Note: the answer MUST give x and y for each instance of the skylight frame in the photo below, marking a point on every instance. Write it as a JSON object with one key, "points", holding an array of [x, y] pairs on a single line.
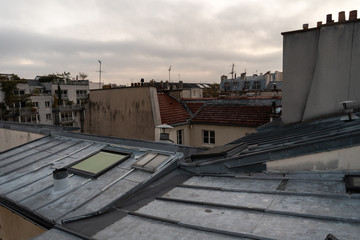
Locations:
{"points": [[84, 173], [145, 166]]}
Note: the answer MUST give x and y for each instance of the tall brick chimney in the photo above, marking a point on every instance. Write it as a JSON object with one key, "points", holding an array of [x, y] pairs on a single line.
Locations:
{"points": [[342, 16], [353, 15]]}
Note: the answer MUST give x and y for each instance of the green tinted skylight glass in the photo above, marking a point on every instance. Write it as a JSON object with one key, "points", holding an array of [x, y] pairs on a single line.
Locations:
{"points": [[98, 163]]}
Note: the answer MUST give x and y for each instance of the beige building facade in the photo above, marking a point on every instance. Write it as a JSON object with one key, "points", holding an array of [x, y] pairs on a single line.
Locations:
{"points": [[123, 112]]}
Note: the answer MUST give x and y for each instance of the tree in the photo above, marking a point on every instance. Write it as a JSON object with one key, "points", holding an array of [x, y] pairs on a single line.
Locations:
{"points": [[83, 76], [213, 91]]}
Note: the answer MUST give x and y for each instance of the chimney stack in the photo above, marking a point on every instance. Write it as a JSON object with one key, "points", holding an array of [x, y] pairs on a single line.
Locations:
{"points": [[342, 16], [329, 19], [305, 26], [319, 24], [353, 15]]}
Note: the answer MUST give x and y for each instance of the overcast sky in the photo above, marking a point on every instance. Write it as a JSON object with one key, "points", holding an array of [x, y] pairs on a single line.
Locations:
{"points": [[137, 39]]}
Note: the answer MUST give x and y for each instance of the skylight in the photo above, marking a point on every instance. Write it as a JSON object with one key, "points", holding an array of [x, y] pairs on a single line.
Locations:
{"points": [[151, 161], [99, 163]]}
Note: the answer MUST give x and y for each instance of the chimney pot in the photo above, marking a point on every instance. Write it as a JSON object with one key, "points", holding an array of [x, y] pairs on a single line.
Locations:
{"points": [[329, 19], [319, 24], [353, 15], [305, 26], [342, 16]]}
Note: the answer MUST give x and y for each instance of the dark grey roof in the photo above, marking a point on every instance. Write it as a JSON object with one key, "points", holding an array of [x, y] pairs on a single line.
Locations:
{"points": [[279, 85], [34, 82], [26, 177], [281, 142], [243, 206]]}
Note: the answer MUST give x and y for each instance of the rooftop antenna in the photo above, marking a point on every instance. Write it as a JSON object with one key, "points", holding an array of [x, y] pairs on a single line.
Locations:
{"points": [[169, 72], [99, 75], [232, 71]]}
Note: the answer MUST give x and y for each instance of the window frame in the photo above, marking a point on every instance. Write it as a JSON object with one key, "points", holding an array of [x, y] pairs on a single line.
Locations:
{"points": [[208, 136], [180, 136], [104, 170], [143, 167]]}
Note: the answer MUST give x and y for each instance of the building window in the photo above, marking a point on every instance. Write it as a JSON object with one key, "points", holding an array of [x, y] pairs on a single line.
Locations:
{"points": [[47, 103], [98, 163], [256, 85], [48, 116], [36, 104], [180, 136], [246, 85], [209, 137]]}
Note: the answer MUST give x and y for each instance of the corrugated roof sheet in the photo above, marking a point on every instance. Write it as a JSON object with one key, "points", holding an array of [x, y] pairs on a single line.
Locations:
{"points": [[234, 114], [171, 111]]}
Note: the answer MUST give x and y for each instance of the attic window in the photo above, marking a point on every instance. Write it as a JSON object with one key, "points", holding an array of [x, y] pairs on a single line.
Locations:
{"points": [[352, 183], [98, 163], [151, 161]]}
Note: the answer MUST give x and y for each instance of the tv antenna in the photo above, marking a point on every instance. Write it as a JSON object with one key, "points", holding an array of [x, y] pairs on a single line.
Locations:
{"points": [[169, 72], [100, 75], [232, 71]]}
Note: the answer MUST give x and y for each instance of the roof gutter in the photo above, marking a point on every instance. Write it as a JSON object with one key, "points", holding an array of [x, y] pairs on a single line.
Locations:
{"points": [[29, 215]]}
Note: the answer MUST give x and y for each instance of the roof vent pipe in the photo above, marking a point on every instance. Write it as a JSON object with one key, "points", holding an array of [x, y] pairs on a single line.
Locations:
{"points": [[61, 180], [348, 110]]}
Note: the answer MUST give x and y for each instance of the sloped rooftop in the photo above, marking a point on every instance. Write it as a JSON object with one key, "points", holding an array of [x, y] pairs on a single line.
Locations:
{"points": [[246, 206], [251, 152], [171, 111], [194, 106], [251, 116], [26, 180]]}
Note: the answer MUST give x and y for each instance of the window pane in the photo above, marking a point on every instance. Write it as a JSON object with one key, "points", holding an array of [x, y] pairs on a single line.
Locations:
{"points": [[156, 162], [98, 162], [145, 159]]}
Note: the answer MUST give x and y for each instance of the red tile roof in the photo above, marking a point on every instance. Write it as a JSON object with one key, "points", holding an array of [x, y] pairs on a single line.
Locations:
{"points": [[194, 106], [171, 111], [234, 115]]}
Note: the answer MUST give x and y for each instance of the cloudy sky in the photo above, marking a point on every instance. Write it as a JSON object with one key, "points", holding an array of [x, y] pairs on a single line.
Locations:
{"points": [[137, 39]]}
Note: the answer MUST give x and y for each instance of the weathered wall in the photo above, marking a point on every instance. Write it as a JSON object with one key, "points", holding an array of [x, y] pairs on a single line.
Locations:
{"points": [[320, 71], [13, 226], [124, 112], [299, 57], [346, 159], [12, 138], [223, 134]]}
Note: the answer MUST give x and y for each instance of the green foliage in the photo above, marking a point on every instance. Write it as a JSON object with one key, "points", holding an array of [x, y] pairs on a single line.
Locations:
{"points": [[213, 91], [8, 87], [55, 77], [48, 78], [83, 76]]}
